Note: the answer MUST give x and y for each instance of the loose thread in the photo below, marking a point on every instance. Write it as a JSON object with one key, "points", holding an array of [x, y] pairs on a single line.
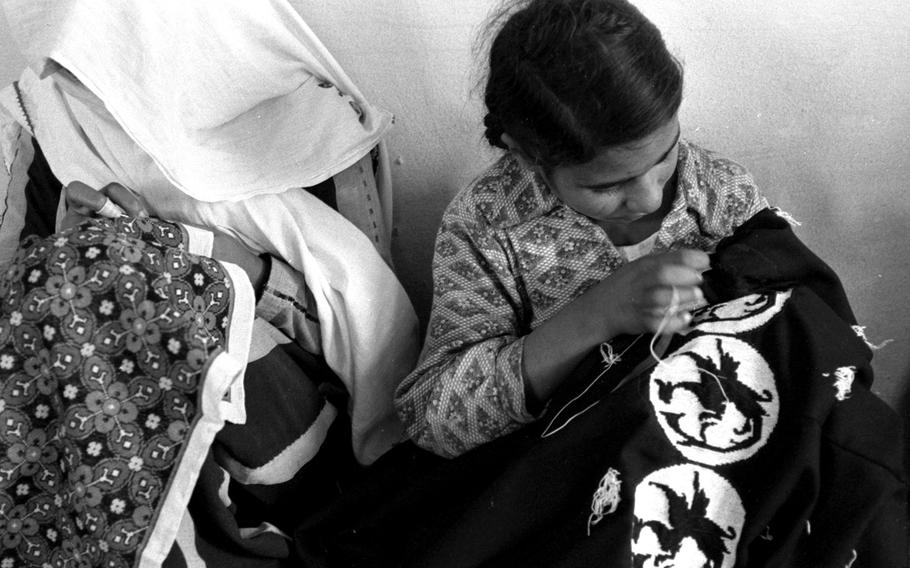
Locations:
{"points": [[843, 382], [671, 311], [786, 217], [606, 498], [860, 330], [664, 321], [610, 359]]}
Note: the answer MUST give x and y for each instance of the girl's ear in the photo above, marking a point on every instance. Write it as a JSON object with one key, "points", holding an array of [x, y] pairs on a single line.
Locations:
{"points": [[525, 161]]}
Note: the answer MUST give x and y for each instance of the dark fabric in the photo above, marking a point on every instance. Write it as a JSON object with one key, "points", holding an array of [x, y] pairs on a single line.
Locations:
{"points": [[764, 255], [285, 391], [747, 442], [325, 191], [42, 195]]}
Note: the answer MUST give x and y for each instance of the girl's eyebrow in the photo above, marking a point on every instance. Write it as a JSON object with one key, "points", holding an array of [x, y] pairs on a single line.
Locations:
{"points": [[659, 160]]}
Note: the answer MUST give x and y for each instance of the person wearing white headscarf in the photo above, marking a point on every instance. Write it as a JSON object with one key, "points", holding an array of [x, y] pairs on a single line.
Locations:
{"points": [[216, 114]]}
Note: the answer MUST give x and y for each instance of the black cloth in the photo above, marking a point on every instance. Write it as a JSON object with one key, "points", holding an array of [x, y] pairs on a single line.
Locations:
{"points": [[42, 194], [756, 442]]}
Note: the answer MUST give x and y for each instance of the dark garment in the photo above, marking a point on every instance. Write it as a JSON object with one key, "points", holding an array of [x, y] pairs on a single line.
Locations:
{"points": [[285, 391], [42, 193], [755, 442]]}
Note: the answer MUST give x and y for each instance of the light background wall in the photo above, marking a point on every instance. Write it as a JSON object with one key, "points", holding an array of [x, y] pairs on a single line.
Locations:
{"points": [[813, 97]]}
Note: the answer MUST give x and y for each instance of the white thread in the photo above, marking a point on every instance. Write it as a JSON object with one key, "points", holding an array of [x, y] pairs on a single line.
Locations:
{"points": [[843, 382], [852, 560], [717, 379], [605, 496], [860, 330], [610, 359], [111, 210], [547, 433], [786, 216], [808, 527], [672, 310], [674, 306]]}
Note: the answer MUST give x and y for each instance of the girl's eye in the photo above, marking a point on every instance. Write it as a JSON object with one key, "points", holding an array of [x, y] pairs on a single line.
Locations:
{"points": [[606, 189]]}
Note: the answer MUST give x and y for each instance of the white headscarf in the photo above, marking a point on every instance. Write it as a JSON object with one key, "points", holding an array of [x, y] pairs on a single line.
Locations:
{"points": [[230, 98], [224, 97]]}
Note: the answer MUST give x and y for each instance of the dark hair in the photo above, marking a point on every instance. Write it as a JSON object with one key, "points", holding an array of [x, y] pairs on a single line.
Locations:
{"points": [[570, 77]]}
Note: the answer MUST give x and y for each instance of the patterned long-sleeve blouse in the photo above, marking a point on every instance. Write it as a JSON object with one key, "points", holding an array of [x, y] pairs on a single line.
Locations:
{"points": [[509, 255]]}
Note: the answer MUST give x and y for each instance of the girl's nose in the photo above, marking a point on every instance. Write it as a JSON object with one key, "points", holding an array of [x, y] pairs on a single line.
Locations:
{"points": [[645, 194]]}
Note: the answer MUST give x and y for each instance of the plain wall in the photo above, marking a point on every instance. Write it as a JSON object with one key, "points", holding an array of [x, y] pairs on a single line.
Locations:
{"points": [[813, 97]]}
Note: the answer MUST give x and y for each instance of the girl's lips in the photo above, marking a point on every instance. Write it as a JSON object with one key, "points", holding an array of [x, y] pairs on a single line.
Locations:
{"points": [[623, 219]]}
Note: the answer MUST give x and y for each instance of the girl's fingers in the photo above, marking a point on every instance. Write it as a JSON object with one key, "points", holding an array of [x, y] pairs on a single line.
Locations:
{"points": [[662, 298], [670, 310], [695, 259], [668, 323], [682, 297], [675, 275], [678, 268]]}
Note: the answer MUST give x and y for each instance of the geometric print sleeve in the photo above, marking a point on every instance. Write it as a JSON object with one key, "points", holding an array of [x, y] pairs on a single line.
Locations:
{"points": [[727, 192], [467, 388], [718, 195], [740, 198]]}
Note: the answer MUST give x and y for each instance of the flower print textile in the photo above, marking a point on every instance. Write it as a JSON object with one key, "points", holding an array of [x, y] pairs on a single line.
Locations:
{"points": [[105, 332]]}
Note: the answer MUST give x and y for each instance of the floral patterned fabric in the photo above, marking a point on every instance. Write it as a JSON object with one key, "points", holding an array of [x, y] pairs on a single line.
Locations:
{"points": [[115, 362]]}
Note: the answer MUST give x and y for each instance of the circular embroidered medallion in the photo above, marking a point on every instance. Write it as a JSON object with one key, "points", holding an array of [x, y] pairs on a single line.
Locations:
{"points": [[686, 515], [739, 315], [715, 399]]}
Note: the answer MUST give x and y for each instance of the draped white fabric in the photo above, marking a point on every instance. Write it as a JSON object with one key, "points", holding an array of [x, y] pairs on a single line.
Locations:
{"points": [[230, 98]]}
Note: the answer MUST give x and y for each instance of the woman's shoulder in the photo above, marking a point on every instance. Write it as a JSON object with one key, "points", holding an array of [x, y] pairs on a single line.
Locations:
{"points": [[505, 195]]}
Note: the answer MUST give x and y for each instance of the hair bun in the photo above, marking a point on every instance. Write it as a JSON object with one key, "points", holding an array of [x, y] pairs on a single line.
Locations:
{"points": [[494, 130]]}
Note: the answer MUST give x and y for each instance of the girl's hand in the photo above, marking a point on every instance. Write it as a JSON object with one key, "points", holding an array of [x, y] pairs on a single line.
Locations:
{"points": [[634, 299], [651, 291], [111, 200]]}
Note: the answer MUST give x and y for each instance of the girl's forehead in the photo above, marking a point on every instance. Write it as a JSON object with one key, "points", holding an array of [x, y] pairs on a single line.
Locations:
{"points": [[614, 164]]}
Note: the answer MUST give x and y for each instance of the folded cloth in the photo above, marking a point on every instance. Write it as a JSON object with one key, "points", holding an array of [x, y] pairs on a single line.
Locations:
{"points": [[231, 99]]}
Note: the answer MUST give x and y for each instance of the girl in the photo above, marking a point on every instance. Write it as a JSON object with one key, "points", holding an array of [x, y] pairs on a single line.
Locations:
{"points": [[594, 223]]}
